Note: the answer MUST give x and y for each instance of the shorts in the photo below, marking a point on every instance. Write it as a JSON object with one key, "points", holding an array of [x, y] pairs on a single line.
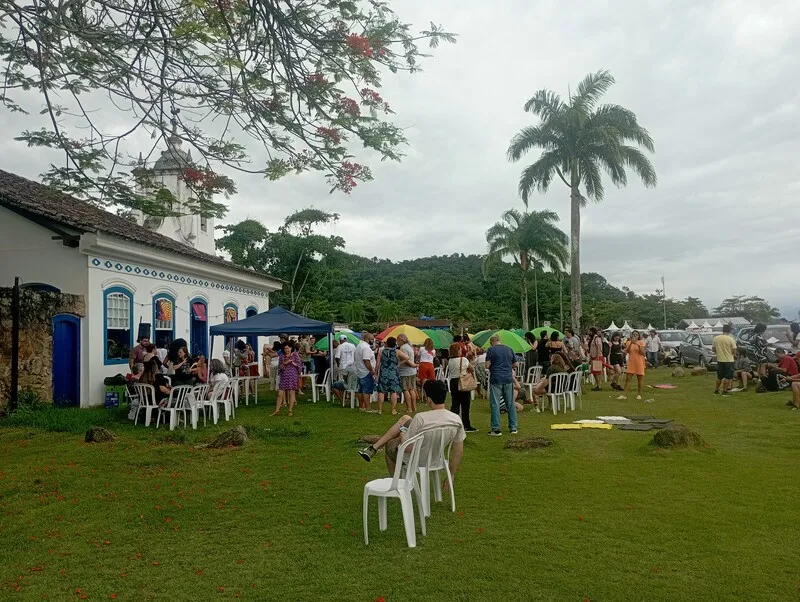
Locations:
{"points": [[338, 384], [408, 383], [426, 371], [391, 447], [366, 385], [725, 370]]}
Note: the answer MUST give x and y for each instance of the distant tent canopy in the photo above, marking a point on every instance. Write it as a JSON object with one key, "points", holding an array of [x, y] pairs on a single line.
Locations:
{"points": [[613, 326], [274, 322]]}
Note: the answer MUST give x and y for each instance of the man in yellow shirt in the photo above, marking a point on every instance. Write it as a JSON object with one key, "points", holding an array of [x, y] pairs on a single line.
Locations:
{"points": [[724, 346]]}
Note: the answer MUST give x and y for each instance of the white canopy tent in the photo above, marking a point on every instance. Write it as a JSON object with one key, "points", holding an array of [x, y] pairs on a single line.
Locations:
{"points": [[693, 326], [649, 327], [706, 326], [612, 326], [719, 324], [627, 327]]}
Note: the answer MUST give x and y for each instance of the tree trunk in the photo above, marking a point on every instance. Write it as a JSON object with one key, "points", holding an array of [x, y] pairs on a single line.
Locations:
{"points": [[525, 323], [536, 295], [575, 257]]}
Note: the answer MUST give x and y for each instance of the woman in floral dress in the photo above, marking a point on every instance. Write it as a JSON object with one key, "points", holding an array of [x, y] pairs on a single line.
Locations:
{"points": [[289, 367], [388, 375]]}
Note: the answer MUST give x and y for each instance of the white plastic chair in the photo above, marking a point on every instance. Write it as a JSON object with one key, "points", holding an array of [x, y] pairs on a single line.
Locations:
{"points": [[401, 488], [519, 370], [532, 379], [558, 388], [325, 386], [221, 396], [177, 402], [196, 401], [147, 402], [575, 388], [438, 442], [236, 383]]}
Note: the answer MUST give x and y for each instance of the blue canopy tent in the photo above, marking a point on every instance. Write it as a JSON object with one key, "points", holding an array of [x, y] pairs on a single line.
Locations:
{"points": [[274, 322]]}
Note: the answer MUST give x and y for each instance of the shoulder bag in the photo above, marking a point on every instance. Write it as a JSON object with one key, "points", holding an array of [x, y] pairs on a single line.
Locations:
{"points": [[467, 382]]}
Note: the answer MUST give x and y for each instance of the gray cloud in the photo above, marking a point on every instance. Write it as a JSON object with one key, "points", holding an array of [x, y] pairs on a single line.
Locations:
{"points": [[715, 83]]}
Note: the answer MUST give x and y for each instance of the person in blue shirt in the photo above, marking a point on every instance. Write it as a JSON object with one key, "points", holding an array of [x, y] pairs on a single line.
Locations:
{"points": [[500, 362]]}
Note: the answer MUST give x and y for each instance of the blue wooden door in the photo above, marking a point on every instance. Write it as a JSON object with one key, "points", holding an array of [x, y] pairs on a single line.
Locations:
{"points": [[199, 333], [253, 341], [66, 360]]}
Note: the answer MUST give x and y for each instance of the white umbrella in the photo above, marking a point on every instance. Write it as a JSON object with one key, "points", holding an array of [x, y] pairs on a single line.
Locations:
{"points": [[613, 326]]}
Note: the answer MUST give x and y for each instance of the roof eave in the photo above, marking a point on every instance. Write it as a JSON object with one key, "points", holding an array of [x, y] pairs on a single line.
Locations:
{"points": [[120, 248]]}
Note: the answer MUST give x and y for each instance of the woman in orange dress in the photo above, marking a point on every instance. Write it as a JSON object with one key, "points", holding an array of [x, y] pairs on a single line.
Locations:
{"points": [[636, 364]]}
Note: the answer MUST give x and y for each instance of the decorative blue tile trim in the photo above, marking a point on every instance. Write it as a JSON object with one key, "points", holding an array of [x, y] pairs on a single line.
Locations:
{"points": [[104, 264]]}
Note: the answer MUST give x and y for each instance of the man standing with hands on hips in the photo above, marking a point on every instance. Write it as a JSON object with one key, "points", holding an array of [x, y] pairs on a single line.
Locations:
{"points": [[500, 361]]}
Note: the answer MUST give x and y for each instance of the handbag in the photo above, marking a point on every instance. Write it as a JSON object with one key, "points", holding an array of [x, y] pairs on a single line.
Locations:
{"points": [[467, 382]]}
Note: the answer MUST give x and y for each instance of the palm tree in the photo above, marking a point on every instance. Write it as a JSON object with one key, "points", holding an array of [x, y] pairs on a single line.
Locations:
{"points": [[530, 239], [387, 311], [578, 139], [353, 312]]}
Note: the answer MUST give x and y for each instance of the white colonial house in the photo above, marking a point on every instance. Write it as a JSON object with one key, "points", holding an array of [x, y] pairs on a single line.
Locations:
{"points": [[158, 272]]}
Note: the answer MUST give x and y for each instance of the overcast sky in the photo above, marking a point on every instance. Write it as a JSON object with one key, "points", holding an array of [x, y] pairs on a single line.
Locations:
{"points": [[715, 82]]}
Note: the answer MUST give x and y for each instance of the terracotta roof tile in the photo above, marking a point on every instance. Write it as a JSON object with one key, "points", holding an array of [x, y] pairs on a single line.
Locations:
{"points": [[33, 198]]}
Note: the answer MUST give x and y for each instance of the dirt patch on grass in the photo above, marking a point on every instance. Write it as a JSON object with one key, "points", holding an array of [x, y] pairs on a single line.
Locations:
{"points": [[522, 443]]}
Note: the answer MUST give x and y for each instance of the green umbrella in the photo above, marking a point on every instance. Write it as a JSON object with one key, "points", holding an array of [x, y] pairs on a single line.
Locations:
{"points": [[483, 336], [322, 344], [537, 332], [440, 339], [520, 332], [510, 339]]}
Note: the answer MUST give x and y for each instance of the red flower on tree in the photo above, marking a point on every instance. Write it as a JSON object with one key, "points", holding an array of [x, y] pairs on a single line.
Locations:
{"points": [[359, 45], [331, 134], [350, 107]]}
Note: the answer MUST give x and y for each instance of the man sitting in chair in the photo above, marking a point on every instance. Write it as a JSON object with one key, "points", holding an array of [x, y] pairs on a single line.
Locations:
{"points": [[435, 392]]}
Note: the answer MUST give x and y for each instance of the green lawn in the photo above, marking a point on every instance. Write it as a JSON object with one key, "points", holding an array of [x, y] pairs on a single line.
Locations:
{"points": [[601, 515]]}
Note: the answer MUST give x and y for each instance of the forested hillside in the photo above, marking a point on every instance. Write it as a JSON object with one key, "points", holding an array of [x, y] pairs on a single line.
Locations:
{"points": [[325, 282]]}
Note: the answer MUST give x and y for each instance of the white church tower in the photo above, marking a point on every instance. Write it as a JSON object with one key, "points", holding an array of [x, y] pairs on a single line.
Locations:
{"points": [[189, 228]]}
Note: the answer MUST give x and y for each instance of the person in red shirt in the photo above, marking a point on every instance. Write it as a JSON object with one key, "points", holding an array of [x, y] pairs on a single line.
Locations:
{"points": [[785, 366]]}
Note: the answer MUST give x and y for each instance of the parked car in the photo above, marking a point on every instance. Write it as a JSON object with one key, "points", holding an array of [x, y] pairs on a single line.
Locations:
{"points": [[776, 333], [670, 341], [695, 350]]}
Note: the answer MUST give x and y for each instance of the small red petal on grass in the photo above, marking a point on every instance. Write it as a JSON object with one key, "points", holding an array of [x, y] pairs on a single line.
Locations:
{"points": [[327, 526], [353, 533], [586, 599], [155, 563], [220, 589], [36, 569], [200, 572], [123, 574], [480, 530], [139, 555], [499, 497], [240, 561], [107, 542], [169, 520], [33, 538], [113, 596], [78, 590], [460, 514], [84, 597], [253, 585], [580, 518], [379, 599], [62, 572]]}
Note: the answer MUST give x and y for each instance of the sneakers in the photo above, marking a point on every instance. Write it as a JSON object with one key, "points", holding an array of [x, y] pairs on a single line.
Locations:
{"points": [[471, 429], [597, 389], [367, 453], [639, 397], [495, 433], [716, 392], [622, 397], [514, 432], [726, 394]]}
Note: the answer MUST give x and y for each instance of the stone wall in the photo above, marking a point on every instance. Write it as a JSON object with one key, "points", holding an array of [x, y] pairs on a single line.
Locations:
{"points": [[35, 338]]}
